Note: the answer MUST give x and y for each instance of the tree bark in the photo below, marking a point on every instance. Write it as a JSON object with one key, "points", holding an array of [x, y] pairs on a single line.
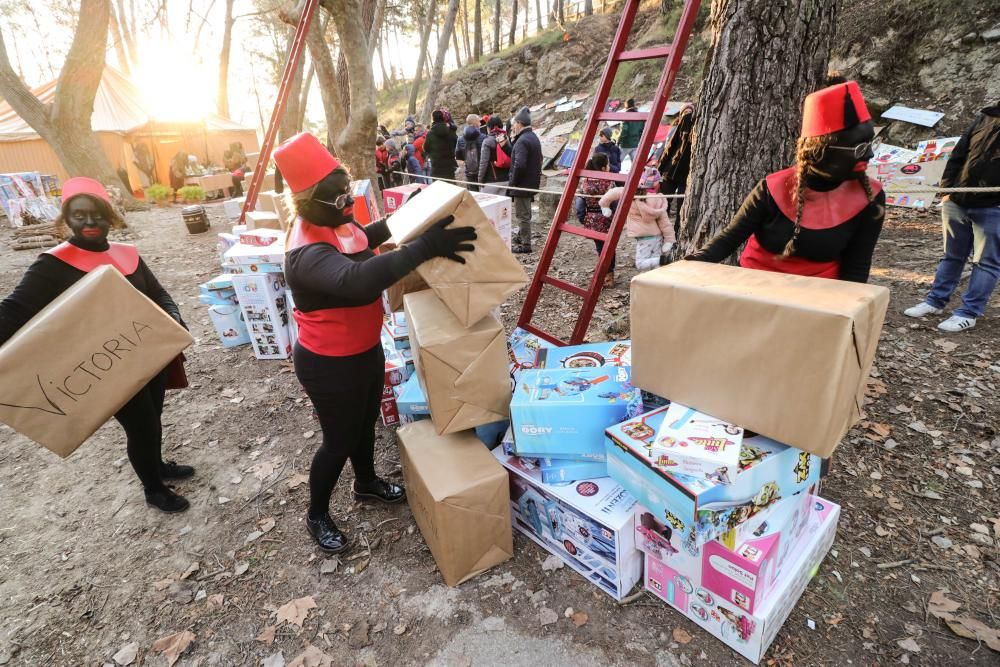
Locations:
{"points": [[434, 85], [787, 45], [387, 79], [665, 6], [290, 119], [588, 7], [425, 38], [326, 72], [538, 15], [513, 25], [477, 39], [116, 37], [458, 50], [562, 11], [497, 9], [222, 91], [128, 31], [376, 22], [304, 94], [465, 31], [65, 124]]}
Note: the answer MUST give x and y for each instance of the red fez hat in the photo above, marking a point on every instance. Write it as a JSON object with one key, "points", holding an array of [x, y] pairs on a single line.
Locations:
{"points": [[304, 161], [81, 185], [833, 109]]}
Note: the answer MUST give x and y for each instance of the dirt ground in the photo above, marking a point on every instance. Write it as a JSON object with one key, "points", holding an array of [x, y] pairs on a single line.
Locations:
{"points": [[88, 571]]}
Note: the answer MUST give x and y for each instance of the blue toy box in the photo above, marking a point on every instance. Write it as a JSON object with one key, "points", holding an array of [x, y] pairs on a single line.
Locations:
{"points": [[563, 413], [699, 509], [588, 355], [411, 399], [523, 347], [557, 471]]}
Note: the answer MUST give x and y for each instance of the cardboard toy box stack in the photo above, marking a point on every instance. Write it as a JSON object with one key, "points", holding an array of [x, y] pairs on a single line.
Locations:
{"points": [[729, 519], [457, 490]]}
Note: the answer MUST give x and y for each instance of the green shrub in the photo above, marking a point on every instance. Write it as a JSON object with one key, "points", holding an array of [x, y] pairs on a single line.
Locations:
{"points": [[192, 193], [158, 192]]}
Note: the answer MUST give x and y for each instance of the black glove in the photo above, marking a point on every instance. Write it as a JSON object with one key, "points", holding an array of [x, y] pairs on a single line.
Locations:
{"points": [[441, 241]]}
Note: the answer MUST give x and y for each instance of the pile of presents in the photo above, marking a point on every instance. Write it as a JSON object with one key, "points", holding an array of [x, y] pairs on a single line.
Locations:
{"points": [[710, 501]]}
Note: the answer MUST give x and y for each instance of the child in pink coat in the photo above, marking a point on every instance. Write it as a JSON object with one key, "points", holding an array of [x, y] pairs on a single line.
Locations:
{"points": [[647, 220]]}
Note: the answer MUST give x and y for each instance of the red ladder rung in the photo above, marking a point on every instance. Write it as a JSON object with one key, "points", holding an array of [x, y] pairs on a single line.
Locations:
{"points": [[565, 286], [645, 54], [583, 231], [622, 115], [541, 333], [604, 175]]}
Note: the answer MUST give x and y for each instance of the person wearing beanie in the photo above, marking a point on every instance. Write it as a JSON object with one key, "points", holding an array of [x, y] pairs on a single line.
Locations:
{"points": [[88, 214], [468, 149], [483, 122], [607, 146], [821, 217], [525, 172], [337, 282], [439, 147], [631, 132], [971, 222], [494, 159], [647, 220]]}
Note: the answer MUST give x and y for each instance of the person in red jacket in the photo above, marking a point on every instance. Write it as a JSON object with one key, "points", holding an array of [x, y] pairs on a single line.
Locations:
{"points": [[337, 282], [89, 215], [821, 217]]}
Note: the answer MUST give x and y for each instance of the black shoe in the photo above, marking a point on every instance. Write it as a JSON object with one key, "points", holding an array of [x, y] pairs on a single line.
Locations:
{"points": [[167, 501], [171, 470], [520, 249], [327, 535], [380, 490]]}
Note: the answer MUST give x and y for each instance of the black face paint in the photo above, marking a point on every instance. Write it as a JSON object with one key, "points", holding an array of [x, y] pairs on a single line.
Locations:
{"points": [[323, 208], [849, 153]]}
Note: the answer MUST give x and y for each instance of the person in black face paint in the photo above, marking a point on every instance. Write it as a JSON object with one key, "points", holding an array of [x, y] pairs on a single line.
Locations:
{"points": [[821, 217], [337, 282]]}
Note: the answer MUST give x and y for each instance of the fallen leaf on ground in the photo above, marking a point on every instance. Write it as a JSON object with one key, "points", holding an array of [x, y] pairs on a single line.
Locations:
{"points": [[681, 636], [172, 646], [241, 567], [266, 635], [266, 525], [162, 584], [297, 480], [580, 619], [276, 660], [253, 536], [192, 568], [972, 628], [552, 563], [836, 619], [262, 470], [126, 654], [329, 566], [295, 611], [215, 601], [311, 657], [946, 345], [308, 434], [547, 617], [909, 644]]}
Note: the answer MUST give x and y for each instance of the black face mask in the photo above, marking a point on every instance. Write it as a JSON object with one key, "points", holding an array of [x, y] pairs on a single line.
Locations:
{"points": [[850, 149]]}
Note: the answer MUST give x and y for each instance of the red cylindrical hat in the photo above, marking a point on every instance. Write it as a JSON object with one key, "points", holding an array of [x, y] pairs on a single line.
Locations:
{"points": [[304, 161], [81, 185], [834, 109]]}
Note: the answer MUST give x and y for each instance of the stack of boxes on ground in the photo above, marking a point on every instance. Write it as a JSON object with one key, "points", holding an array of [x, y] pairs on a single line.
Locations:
{"points": [[498, 208], [31, 192]]}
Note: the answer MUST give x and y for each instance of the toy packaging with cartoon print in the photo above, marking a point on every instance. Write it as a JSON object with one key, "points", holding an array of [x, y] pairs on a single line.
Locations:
{"points": [[703, 587], [704, 509], [698, 444], [562, 413], [588, 524], [265, 311]]}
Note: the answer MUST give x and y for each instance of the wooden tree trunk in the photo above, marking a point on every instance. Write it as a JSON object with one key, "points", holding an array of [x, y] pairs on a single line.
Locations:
{"points": [[765, 57], [425, 38], [326, 73], [665, 6], [116, 37], [222, 90], [458, 50], [465, 31], [497, 9], [387, 79], [434, 85], [538, 15], [304, 95], [477, 39], [290, 120], [588, 7], [513, 25], [562, 9], [128, 31]]}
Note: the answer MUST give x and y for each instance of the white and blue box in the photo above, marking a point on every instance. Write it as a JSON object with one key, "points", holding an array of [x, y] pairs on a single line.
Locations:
{"points": [[563, 413], [229, 324], [588, 355], [558, 471], [701, 509]]}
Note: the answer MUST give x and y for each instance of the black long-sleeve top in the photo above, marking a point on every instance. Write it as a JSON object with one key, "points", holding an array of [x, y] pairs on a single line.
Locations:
{"points": [[852, 242], [322, 277], [48, 277]]}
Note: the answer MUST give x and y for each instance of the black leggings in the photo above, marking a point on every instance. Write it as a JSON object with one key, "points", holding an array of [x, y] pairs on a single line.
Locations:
{"points": [[346, 392], [140, 418], [614, 258]]}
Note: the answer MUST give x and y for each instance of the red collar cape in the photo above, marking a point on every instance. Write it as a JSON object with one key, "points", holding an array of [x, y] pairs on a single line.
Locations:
{"points": [[822, 210], [122, 256], [305, 233]]}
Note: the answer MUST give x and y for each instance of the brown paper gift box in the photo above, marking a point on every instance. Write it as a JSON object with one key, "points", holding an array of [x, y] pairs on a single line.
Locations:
{"points": [[786, 356], [463, 370], [460, 497], [490, 273], [80, 359]]}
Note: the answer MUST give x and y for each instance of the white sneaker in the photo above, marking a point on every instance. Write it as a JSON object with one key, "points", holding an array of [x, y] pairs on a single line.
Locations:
{"points": [[957, 323], [922, 309]]}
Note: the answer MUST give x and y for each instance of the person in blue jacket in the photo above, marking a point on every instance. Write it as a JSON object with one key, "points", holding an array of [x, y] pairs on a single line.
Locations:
{"points": [[607, 146]]}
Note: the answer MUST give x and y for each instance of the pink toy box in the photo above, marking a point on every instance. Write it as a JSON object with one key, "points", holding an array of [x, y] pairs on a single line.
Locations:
{"points": [[393, 198]]}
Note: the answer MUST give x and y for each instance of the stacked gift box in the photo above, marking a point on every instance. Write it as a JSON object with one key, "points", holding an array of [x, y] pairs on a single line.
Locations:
{"points": [[31, 192]]}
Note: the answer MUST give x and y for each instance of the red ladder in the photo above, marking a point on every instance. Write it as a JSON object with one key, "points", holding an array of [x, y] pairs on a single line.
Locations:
{"points": [[298, 44], [673, 53]]}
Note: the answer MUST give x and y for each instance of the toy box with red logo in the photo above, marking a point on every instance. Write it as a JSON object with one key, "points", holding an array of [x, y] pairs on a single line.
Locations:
{"points": [[588, 524], [523, 348], [703, 509], [588, 355], [700, 445], [260, 246], [680, 582], [499, 211], [393, 198], [365, 207], [265, 310]]}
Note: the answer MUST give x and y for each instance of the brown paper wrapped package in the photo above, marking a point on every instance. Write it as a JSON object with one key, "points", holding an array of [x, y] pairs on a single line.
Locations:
{"points": [[783, 355], [79, 360], [490, 273], [460, 498], [464, 370]]}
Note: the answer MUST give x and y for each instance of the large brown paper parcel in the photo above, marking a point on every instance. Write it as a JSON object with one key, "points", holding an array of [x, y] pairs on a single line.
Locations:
{"points": [[460, 498], [80, 359], [464, 370], [490, 273], [786, 356]]}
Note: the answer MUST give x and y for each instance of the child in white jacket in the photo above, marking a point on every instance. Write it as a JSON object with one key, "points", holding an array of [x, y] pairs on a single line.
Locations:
{"points": [[647, 220]]}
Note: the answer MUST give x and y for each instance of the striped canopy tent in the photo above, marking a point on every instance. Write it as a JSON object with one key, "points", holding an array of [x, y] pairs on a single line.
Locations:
{"points": [[122, 123]]}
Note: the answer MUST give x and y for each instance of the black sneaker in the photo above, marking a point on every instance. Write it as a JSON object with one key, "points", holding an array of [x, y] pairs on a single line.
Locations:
{"points": [[329, 538], [167, 501], [380, 490], [171, 470]]}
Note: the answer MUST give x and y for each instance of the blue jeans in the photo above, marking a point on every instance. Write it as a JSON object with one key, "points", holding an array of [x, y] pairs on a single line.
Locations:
{"points": [[968, 231]]}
